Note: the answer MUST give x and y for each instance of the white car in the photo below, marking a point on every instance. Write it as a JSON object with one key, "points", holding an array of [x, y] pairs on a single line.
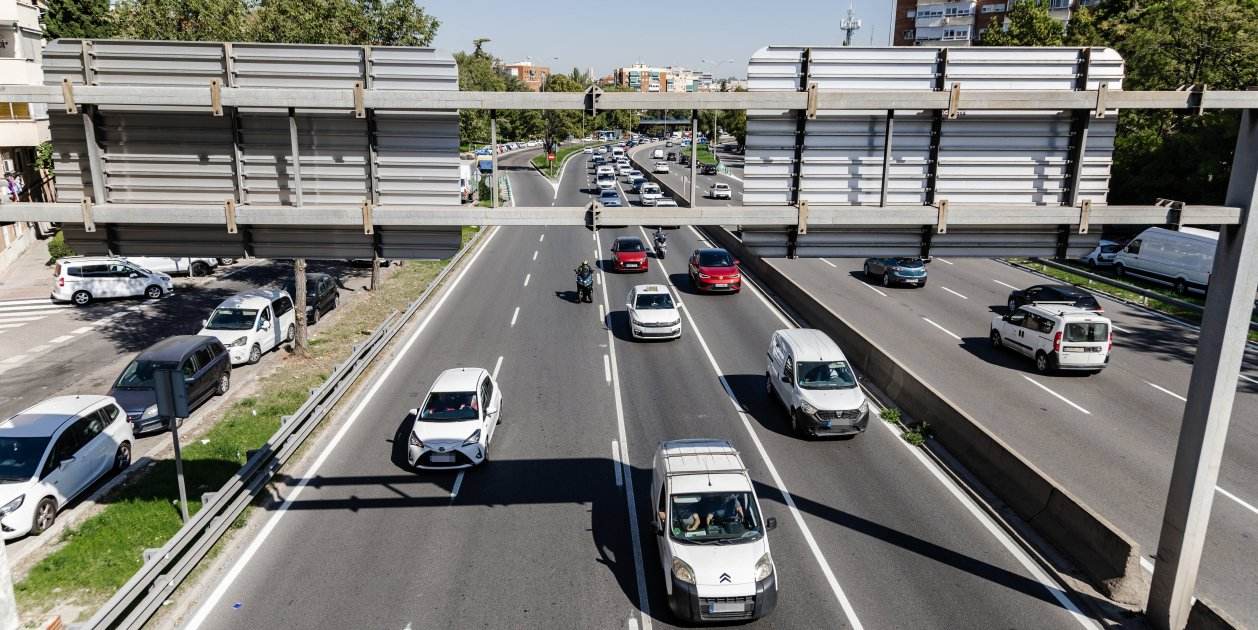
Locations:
{"points": [[631, 174], [188, 266], [660, 167], [810, 376], [713, 537], [605, 170], [1102, 255], [649, 193], [720, 191], [455, 424], [657, 154], [1056, 337], [252, 323], [54, 450], [81, 279], [652, 313], [606, 182], [588, 150], [664, 202]]}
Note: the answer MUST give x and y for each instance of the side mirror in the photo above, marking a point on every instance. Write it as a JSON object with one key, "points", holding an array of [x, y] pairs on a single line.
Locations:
{"points": [[770, 524], [786, 378], [412, 412], [134, 275], [737, 262], [65, 461], [489, 411], [628, 305], [205, 322]]}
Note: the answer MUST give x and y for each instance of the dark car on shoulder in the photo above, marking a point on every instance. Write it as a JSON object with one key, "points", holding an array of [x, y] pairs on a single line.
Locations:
{"points": [[203, 361], [1054, 294], [889, 271], [321, 295]]}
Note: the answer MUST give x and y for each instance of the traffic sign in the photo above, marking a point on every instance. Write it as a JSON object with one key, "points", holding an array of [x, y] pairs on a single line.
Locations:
{"points": [[550, 157]]}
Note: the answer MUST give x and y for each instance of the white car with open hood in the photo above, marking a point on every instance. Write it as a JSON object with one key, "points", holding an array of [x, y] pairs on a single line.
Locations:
{"points": [[455, 423]]}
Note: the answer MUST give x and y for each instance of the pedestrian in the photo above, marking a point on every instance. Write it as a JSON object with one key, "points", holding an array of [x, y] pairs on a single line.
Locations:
{"points": [[12, 187]]}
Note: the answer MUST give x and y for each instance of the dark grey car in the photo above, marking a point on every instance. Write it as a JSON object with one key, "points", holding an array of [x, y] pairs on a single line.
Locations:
{"points": [[206, 369], [322, 295], [889, 271]]}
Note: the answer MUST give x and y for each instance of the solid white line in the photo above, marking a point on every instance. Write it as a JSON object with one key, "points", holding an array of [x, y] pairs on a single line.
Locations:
{"points": [[541, 238], [699, 236], [45, 308], [17, 358], [1121, 330], [265, 532], [946, 331], [497, 366], [837, 590], [607, 369], [1248, 379], [872, 288], [81, 330], [44, 301], [535, 254], [1166, 391], [61, 339], [37, 349], [458, 483], [828, 263], [1004, 284], [514, 316], [620, 480], [1059, 396], [954, 293], [631, 503], [946, 262], [1237, 499], [8, 326]]}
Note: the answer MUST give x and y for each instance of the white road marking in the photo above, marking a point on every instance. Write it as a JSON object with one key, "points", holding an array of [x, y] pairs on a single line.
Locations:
{"points": [[45, 308], [607, 369], [541, 238], [7, 326], [872, 288], [954, 293], [601, 317], [632, 624], [1248, 379], [1146, 564], [1121, 330], [458, 483], [62, 338], [1055, 394], [1004, 284], [497, 366], [620, 480], [514, 316], [631, 503], [699, 236], [20, 318], [828, 263], [1237, 499], [81, 330], [526, 278], [234, 572], [535, 254], [1166, 391], [946, 262], [44, 301], [820, 558], [17, 358], [39, 348], [945, 330]]}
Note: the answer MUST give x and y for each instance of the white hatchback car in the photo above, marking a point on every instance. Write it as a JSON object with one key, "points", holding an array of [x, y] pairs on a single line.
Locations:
{"points": [[652, 313], [720, 191], [454, 425], [53, 451], [660, 167], [252, 323]]}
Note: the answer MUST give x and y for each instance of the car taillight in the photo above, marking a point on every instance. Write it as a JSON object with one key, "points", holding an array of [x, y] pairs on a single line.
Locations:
{"points": [[61, 282], [1057, 341], [1109, 342]]}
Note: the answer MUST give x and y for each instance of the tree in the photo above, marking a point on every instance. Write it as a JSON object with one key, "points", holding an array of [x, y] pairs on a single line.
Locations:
{"points": [[78, 19], [369, 22], [181, 20], [561, 124], [1028, 23]]}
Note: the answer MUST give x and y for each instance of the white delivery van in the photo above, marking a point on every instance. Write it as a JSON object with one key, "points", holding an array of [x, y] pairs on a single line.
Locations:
{"points": [[252, 323], [657, 154], [1182, 259], [810, 376], [1057, 337], [712, 536]]}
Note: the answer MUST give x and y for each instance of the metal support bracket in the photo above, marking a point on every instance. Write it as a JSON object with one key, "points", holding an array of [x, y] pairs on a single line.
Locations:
{"points": [[67, 95], [216, 97], [229, 212], [359, 110], [1176, 209], [1201, 99], [1102, 91], [368, 226], [941, 224], [89, 224], [812, 101], [592, 215], [592, 95], [1085, 215], [1063, 242], [801, 226], [953, 98]]}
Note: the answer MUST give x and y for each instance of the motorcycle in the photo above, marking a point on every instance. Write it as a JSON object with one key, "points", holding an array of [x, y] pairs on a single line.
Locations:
{"points": [[585, 287], [661, 247]]}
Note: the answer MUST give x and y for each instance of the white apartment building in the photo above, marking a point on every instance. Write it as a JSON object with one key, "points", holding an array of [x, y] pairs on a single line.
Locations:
{"points": [[23, 126]]}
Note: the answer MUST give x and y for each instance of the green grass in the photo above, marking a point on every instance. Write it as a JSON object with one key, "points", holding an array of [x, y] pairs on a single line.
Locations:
{"points": [[97, 556], [551, 170], [705, 155]]}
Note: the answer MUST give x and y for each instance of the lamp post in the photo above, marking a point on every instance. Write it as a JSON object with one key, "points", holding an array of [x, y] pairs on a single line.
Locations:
{"points": [[715, 132]]}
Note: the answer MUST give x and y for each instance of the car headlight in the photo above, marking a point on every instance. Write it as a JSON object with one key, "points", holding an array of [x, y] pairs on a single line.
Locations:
{"points": [[682, 571], [808, 409], [239, 341], [13, 505], [415, 441], [473, 438], [704, 275], [764, 567], [150, 412]]}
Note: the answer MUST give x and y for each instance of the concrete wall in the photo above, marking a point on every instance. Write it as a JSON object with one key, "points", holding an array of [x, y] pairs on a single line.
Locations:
{"points": [[1205, 616]]}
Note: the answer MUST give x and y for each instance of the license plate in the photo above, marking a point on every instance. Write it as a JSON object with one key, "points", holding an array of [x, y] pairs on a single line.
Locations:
{"points": [[631, 264], [721, 286], [443, 459], [726, 607], [825, 424]]}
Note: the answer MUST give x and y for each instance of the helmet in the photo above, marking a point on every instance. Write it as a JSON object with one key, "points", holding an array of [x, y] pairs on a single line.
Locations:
{"points": [[585, 263]]}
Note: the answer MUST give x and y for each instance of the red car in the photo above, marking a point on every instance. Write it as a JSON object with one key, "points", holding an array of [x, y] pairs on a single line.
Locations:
{"points": [[628, 254], [715, 269]]}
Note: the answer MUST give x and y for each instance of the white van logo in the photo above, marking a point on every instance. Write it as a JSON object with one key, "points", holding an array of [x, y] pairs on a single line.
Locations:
{"points": [[725, 577]]}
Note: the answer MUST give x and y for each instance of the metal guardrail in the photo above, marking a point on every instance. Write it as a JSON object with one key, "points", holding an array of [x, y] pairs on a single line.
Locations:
{"points": [[142, 596]]}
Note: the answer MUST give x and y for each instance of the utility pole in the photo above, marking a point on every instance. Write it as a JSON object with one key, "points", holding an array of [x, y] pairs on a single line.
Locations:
{"points": [[849, 25]]}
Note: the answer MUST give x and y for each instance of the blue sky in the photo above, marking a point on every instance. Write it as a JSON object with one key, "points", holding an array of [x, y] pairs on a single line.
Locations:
{"points": [[607, 35]]}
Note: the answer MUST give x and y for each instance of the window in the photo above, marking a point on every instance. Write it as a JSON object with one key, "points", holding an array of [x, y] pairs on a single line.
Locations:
{"points": [[189, 366], [1082, 332], [1017, 317], [450, 406], [955, 11], [120, 271], [110, 413], [266, 317], [1133, 247], [487, 391], [15, 111], [19, 457], [203, 357], [95, 271], [96, 422], [909, 34], [911, 13], [67, 445], [282, 305], [1059, 4], [826, 375], [231, 319], [993, 8], [956, 33]]}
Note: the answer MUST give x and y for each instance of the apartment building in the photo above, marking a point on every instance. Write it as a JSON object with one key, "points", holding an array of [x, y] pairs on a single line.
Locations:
{"points": [[655, 79], [531, 74], [23, 126], [959, 22]]}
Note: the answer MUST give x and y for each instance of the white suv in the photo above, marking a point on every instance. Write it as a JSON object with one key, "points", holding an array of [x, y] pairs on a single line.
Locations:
{"points": [[81, 279], [810, 375], [649, 193], [455, 423], [1056, 337], [652, 313], [53, 451], [713, 537], [252, 323]]}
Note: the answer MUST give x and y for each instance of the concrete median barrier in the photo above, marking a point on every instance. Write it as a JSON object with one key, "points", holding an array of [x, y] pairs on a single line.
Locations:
{"points": [[1107, 558]]}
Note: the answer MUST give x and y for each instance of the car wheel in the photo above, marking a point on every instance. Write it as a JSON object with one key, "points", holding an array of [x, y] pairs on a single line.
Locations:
{"points": [[255, 354], [867, 273], [81, 298], [886, 280], [292, 332], [768, 387], [336, 300], [1041, 363], [122, 457], [1011, 306], [224, 383], [153, 292], [995, 337], [1092, 264], [45, 516], [1181, 287], [798, 427], [199, 269], [1120, 270], [314, 316]]}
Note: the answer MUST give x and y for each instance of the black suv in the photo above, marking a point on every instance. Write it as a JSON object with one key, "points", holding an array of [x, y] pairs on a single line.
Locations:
{"points": [[708, 169], [1054, 294], [321, 295], [672, 155], [206, 369]]}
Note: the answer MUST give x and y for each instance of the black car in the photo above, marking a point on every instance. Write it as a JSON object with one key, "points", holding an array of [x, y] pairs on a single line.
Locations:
{"points": [[321, 295], [672, 155], [1054, 294], [708, 169], [203, 360]]}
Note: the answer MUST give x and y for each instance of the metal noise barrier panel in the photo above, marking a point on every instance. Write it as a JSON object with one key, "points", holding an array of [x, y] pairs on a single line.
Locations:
{"points": [[157, 154]]}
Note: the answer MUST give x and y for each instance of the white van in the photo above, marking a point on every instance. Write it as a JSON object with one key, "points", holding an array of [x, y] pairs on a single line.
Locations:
{"points": [[811, 377], [81, 279], [1181, 259], [187, 266], [1056, 337], [252, 323], [657, 154], [713, 536]]}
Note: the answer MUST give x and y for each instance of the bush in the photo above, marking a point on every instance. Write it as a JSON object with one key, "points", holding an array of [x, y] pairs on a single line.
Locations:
{"points": [[57, 248], [891, 415]]}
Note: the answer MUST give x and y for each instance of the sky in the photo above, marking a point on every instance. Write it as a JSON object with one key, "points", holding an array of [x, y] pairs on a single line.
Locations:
{"points": [[604, 35]]}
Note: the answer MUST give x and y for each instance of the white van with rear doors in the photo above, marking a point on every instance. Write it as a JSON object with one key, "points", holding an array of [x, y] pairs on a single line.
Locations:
{"points": [[252, 323], [712, 535], [82, 279], [1182, 259], [1055, 337], [657, 154], [810, 376]]}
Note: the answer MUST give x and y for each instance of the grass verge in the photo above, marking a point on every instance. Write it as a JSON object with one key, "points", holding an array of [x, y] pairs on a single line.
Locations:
{"points": [[97, 557], [551, 170], [1173, 310], [705, 155]]}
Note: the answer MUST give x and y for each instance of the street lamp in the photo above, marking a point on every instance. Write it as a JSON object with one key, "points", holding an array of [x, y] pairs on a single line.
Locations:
{"points": [[715, 132]]}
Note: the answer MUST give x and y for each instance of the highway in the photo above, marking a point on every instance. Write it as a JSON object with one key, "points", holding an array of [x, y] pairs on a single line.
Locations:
{"points": [[553, 531], [1109, 439]]}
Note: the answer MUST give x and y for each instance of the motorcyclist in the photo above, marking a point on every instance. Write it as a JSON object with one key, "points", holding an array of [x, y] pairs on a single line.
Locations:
{"points": [[584, 269], [660, 236], [585, 281]]}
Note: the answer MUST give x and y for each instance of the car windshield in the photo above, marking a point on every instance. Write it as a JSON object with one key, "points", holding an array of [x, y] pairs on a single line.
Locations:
{"points": [[909, 263], [20, 456], [715, 259], [450, 407], [608, 194], [139, 374], [825, 375], [1111, 249], [630, 245], [311, 288], [1081, 332], [653, 301], [232, 319], [715, 517], [650, 188]]}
